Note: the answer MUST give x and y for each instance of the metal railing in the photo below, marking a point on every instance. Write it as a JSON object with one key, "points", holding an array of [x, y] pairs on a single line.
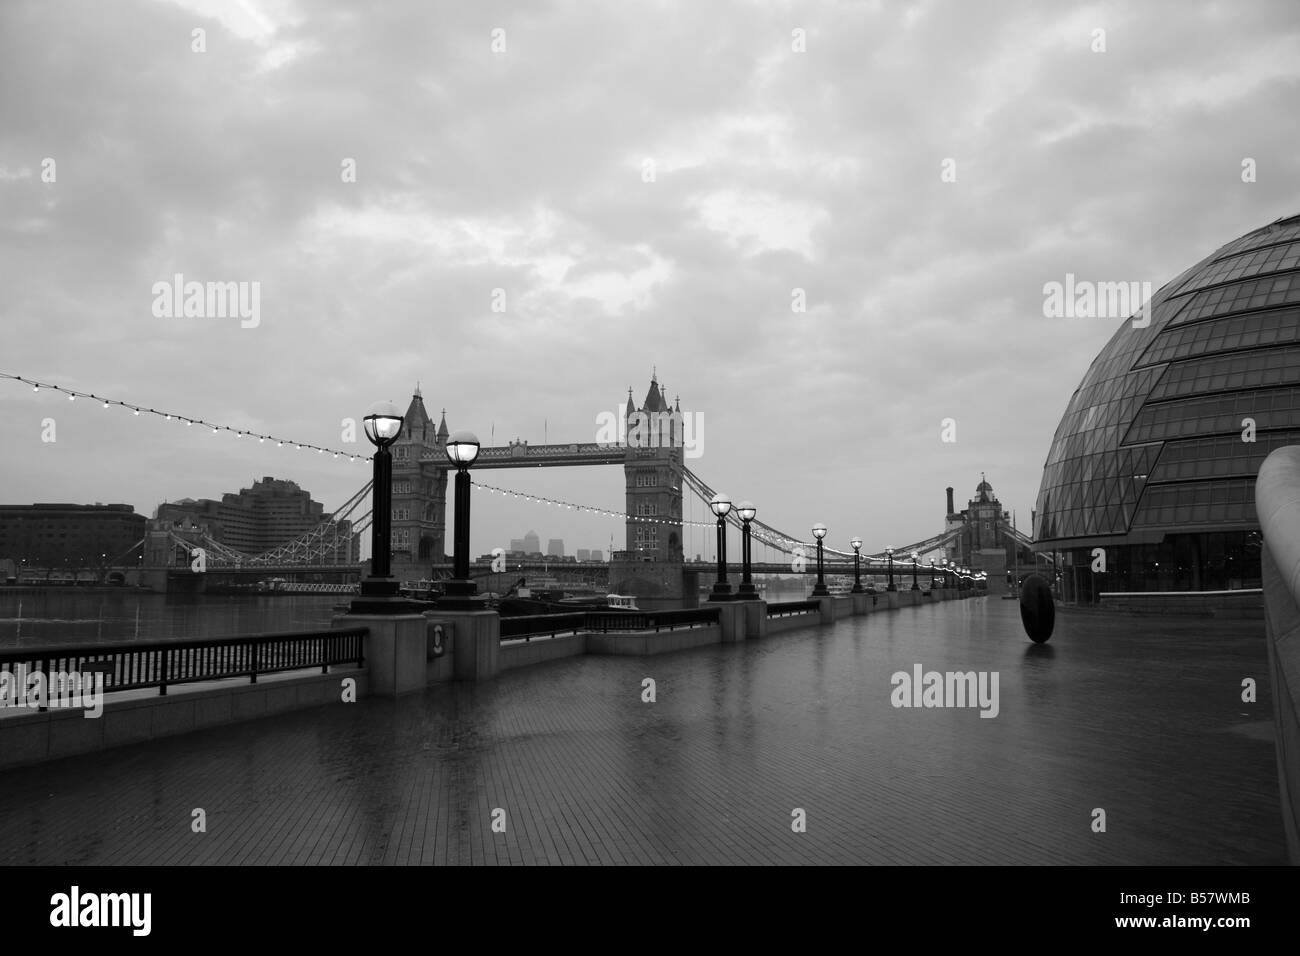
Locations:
{"points": [[537, 625], [135, 665], [605, 622], [787, 608]]}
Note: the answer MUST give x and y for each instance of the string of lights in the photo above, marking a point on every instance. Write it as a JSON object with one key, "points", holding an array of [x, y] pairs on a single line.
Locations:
{"points": [[73, 395], [604, 512]]}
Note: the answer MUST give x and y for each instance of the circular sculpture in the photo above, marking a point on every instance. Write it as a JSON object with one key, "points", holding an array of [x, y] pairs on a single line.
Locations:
{"points": [[1037, 609]]}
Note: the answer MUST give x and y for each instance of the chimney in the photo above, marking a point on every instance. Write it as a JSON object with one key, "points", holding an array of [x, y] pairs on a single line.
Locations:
{"points": [[950, 508]]}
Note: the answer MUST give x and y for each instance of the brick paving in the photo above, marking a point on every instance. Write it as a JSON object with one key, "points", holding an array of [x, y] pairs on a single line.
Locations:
{"points": [[1141, 717]]}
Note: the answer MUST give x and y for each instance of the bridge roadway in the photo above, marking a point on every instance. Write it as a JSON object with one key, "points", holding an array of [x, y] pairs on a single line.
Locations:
{"points": [[1139, 716]]}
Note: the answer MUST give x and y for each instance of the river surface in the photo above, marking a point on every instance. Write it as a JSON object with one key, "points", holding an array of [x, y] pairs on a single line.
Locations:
{"points": [[77, 617], [70, 616]]}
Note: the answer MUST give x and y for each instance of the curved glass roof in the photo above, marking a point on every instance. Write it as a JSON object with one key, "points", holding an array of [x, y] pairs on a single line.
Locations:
{"points": [[1152, 440]]}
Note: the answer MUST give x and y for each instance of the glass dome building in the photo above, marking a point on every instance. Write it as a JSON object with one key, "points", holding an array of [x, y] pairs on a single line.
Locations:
{"points": [[1156, 456]]}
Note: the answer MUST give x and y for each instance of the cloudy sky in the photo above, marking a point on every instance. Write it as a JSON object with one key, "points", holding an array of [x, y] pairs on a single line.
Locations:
{"points": [[648, 184]]}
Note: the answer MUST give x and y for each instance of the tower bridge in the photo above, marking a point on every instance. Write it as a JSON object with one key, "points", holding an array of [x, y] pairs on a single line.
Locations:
{"points": [[652, 564]]}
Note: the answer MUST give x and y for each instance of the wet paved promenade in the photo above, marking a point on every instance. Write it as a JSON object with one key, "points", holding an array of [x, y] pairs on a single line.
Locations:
{"points": [[1139, 716]]}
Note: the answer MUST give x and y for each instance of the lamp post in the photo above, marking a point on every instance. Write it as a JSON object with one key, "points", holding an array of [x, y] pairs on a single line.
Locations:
{"points": [[819, 590], [857, 565], [915, 562], [462, 449], [932, 574], [747, 511], [720, 505], [889, 553], [382, 424]]}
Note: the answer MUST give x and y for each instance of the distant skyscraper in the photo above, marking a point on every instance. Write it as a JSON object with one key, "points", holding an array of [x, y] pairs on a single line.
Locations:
{"points": [[555, 548], [517, 544], [532, 543], [596, 555], [584, 554]]}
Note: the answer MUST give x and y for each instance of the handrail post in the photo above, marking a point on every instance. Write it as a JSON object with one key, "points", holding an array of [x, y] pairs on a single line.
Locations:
{"points": [[253, 675]]}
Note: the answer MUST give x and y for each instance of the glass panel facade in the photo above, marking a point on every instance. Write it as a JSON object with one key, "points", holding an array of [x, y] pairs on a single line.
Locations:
{"points": [[1218, 414], [1224, 373], [1150, 459], [1225, 335], [1207, 561], [1242, 297]]}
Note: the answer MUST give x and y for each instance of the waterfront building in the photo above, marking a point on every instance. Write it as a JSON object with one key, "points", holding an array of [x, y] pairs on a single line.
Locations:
{"points": [[1154, 460], [69, 535], [270, 513]]}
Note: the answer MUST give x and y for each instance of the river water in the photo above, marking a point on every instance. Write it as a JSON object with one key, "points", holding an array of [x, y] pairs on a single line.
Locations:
{"points": [[78, 617], [70, 616]]}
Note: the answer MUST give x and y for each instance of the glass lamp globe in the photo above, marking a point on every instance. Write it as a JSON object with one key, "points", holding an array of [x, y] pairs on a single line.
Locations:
{"points": [[462, 448], [720, 505], [383, 423], [746, 510], [819, 531]]}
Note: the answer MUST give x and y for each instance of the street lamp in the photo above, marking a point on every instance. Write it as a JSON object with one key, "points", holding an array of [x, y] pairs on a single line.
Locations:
{"points": [[819, 590], [382, 424], [747, 511], [915, 562], [932, 574], [889, 553], [462, 449], [721, 506], [857, 565]]}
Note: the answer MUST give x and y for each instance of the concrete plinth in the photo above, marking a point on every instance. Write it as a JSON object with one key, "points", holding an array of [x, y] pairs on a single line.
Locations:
{"points": [[755, 618], [476, 643], [732, 618], [827, 607], [395, 650], [892, 600]]}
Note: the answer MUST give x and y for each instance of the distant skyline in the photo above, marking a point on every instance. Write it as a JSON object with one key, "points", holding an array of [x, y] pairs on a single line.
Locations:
{"points": [[530, 230]]}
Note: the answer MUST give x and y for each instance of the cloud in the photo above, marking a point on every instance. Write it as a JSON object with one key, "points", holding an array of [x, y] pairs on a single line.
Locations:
{"points": [[523, 171]]}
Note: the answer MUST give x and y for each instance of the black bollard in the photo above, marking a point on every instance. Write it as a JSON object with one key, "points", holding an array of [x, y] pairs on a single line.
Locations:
{"points": [[1037, 610]]}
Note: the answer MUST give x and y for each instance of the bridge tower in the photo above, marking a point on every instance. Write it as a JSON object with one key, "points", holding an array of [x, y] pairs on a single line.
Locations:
{"points": [[419, 529], [650, 567], [654, 490]]}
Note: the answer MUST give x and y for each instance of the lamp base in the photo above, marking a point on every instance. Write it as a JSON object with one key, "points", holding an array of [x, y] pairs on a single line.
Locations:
{"points": [[820, 591], [721, 592], [857, 589], [746, 592], [892, 587], [383, 596]]}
